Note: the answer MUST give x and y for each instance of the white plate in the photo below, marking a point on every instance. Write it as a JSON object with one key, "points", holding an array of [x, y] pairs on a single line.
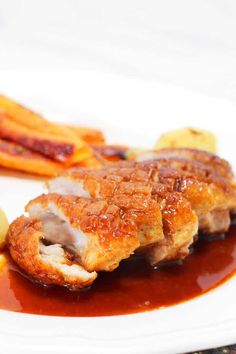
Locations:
{"points": [[132, 112]]}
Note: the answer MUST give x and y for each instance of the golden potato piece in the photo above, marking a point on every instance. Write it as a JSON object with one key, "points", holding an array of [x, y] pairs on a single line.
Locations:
{"points": [[188, 137], [3, 228]]}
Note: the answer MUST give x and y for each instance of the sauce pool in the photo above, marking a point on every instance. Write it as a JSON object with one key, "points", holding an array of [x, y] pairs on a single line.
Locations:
{"points": [[133, 287]]}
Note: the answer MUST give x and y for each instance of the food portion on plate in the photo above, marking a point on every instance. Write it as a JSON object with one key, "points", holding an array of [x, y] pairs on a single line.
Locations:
{"points": [[27, 139], [188, 138], [107, 204], [154, 207]]}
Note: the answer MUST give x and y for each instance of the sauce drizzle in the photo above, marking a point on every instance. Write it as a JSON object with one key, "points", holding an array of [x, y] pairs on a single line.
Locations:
{"points": [[133, 287]]}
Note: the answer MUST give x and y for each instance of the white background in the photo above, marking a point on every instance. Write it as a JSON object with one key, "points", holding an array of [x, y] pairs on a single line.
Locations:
{"points": [[187, 43]]}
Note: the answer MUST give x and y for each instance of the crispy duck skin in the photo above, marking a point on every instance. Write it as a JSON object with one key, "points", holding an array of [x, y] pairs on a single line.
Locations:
{"points": [[214, 163], [98, 233], [180, 227], [206, 192], [18, 158], [137, 204], [179, 221], [49, 265], [55, 147], [124, 191], [212, 196], [67, 239], [136, 200]]}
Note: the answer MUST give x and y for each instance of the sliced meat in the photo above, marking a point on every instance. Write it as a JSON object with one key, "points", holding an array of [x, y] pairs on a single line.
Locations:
{"points": [[180, 227], [218, 165], [210, 195], [217, 221], [135, 198], [103, 216], [49, 265], [99, 234], [67, 239], [207, 192], [120, 188]]}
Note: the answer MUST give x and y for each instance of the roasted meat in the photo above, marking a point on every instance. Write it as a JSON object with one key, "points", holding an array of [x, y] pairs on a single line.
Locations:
{"points": [[92, 219], [207, 192], [212, 197], [213, 162], [87, 236], [48, 264], [124, 186], [180, 226], [96, 233]]}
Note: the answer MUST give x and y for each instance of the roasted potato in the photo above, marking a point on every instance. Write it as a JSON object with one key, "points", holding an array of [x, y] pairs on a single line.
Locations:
{"points": [[188, 137]]}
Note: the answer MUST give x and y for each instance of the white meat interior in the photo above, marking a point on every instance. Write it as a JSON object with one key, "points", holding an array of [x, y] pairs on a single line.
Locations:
{"points": [[64, 185], [55, 255], [58, 230]]}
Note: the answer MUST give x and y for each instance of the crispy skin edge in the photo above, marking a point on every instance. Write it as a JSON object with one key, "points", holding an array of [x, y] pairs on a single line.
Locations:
{"points": [[221, 166], [23, 240], [106, 225]]}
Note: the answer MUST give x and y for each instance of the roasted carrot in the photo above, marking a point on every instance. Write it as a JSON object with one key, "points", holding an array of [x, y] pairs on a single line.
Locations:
{"points": [[25, 117], [59, 148], [91, 136], [92, 162], [17, 157], [33, 120]]}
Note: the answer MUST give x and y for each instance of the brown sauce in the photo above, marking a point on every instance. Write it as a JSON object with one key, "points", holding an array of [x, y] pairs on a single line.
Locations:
{"points": [[133, 287]]}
